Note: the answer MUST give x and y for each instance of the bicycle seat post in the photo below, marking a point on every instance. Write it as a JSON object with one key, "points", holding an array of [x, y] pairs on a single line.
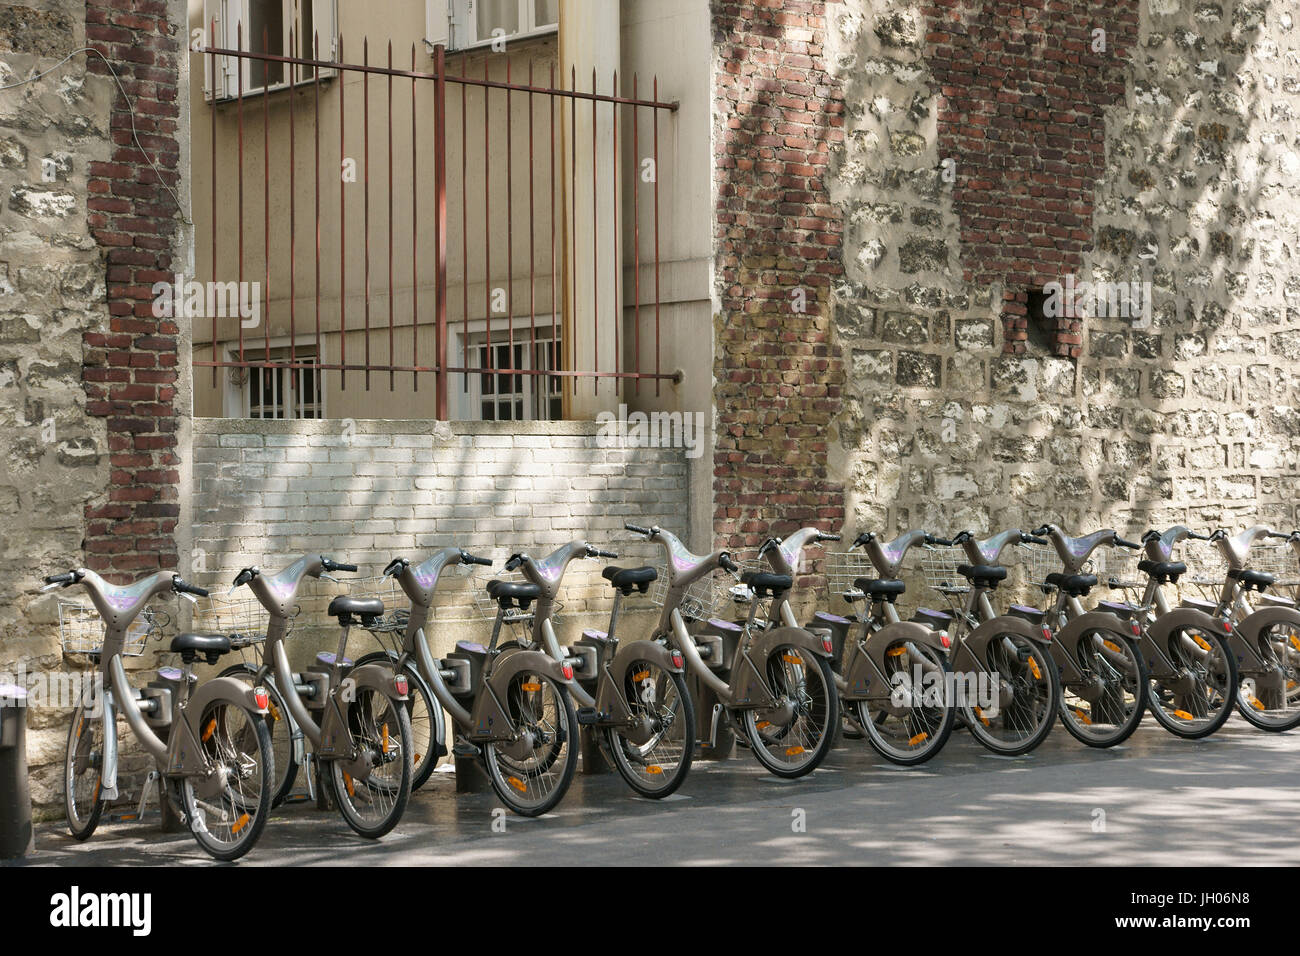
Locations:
{"points": [[613, 615]]}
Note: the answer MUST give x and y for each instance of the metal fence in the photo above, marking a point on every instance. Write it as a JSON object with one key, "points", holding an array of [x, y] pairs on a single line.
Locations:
{"points": [[555, 263]]}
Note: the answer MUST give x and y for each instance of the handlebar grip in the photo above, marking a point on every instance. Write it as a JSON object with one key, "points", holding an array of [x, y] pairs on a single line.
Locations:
{"points": [[345, 567], [1127, 544], [1197, 536], [828, 537], [861, 539], [514, 562], [1278, 534], [637, 529], [468, 558], [1033, 539], [395, 565], [66, 577], [1039, 531], [243, 577], [945, 542], [597, 553], [181, 587], [725, 562]]}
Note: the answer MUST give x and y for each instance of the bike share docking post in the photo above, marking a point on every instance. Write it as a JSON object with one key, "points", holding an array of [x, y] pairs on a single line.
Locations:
{"points": [[17, 838]]}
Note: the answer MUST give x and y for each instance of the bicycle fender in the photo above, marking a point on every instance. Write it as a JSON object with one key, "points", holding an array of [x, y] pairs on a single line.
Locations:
{"points": [[489, 720], [1068, 637], [1162, 629], [376, 677], [978, 640], [865, 678], [610, 698], [1255, 623], [748, 680]]}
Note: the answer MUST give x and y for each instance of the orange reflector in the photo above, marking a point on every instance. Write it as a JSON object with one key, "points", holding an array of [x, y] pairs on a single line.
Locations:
{"points": [[980, 714], [1081, 715], [239, 824], [1034, 669], [383, 734], [1257, 703], [640, 675], [210, 729], [792, 658], [347, 782], [1201, 642], [763, 724], [918, 739], [275, 711], [896, 652], [517, 784], [418, 757], [531, 686], [1183, 715], [1295, 642], [793, 751], [1111, 645], [654, 768]]}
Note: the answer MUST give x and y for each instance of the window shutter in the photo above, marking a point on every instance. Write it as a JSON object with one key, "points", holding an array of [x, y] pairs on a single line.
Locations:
{"points": [[437, 23]]}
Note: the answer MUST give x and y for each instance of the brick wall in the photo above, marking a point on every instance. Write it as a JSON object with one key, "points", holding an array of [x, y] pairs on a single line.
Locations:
{"points": [[369, 491], [131, 370], [777, 117], [1023, 89]]}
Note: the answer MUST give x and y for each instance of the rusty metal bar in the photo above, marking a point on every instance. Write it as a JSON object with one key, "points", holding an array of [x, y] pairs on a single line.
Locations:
{"points": [[440, 227], [365, 138], [239, 87], [212, 32], [415, 259], [532, 234], [617, 259], [315, 120], [555, 330], [343, 233], [636, 236], [390, 215], [293, 222], [266, 204], [595, 249], [571, 347], [655, 166], [464, 220], [510, 227], [487, 222]]}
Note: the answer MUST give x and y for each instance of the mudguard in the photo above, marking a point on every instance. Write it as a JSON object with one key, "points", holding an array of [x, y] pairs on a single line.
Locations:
{"points": [[865, 670], [971, 656], [335, 738], [490, 721], [749, 674], [1245, 636], [1155, 639], [185, 752], [1067, 640], [610, 699]]}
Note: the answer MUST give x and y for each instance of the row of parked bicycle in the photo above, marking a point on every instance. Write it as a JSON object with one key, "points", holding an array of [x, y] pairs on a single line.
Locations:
{"points": [[369, 731]]}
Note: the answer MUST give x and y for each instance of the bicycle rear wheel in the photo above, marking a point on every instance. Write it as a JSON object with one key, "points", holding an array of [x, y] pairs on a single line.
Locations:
{"points": [[915, 722], [83, 772], [803, 684], [655, 756], [228, 810], [1272, 701], [1196, 702], [373, 802], [1016, 714], [428, 727], [1105, 707], [282, 728], [532, 773]]}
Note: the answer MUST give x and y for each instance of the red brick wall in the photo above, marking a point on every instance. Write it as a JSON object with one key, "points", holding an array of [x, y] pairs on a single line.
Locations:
{"points": [[779, 376], [130, 371], [1020, 111]]}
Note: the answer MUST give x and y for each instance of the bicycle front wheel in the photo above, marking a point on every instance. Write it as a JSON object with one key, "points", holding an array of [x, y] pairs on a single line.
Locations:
{"points": [[1198, 699], [83, 772], [428, 727], [228, 809], [280, 723], [1271, 701], [654, 755], [373, 802], [793, 738], [532, 772], [1104, 708]]}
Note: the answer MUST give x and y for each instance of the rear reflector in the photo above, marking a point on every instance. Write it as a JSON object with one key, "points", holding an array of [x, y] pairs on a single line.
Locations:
{"points": [[400, 685], [262, 699], [945, 640], [678, 660], [827, 646], [567, 670]]}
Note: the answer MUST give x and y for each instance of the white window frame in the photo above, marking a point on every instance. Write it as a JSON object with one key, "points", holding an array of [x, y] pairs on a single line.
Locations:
{"points": [[455, 23], [228, 14], [236, 400], [469, 403]]}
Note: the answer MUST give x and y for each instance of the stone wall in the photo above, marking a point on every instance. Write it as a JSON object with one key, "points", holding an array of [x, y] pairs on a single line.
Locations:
{"points": [[1168, 158]]}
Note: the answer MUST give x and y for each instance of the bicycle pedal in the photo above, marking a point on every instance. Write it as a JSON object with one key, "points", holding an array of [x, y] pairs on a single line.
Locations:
{"points": [[588, 716], [463, 748]]}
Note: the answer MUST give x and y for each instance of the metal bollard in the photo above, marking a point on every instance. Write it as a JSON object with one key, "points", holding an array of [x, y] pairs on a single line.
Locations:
{"points": [[16, 836]]}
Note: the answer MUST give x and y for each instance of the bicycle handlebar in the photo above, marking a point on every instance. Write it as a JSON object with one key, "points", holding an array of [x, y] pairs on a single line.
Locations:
{"points": [[66, 578], [180, 587], [467, 558], [827, 537], [942, 542], [637, 529], [597, 553], [1032, 539], [725, 562], [1127, 544], [513, 562], [329, 564], [1197, 536], [244, 576], [1040, 531]]}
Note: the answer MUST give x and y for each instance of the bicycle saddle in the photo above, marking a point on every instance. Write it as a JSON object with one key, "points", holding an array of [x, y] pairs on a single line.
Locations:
{"points": [[521, 591], [983, 575], [1075, 585], [764, 581], [343, 606], [1165, 572], [880, 588], [625, 579], [1259, 580], [201, 643]]}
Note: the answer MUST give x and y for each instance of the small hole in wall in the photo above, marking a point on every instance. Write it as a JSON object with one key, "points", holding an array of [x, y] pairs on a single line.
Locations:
{"points": [[1040, 328]]}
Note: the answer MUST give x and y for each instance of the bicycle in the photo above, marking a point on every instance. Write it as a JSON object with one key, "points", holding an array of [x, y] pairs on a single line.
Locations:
{"points": [[1192, 671], [635, 694], [510, 706], [1103, 674], [894, 676], [361, 742], [1266, 641], [209, 742], [777, 683]]}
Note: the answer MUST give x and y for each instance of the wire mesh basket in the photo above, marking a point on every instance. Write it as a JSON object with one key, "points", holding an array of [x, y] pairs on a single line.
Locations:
{"points": [[710, 596], [845, 567], [81, 629], [242, 619], [1040, 560], [1120, 571], [939, 567], [1207, 566], [1278, 560]]}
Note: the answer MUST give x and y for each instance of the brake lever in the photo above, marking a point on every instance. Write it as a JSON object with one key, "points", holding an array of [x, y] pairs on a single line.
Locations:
{"points": [[189, 597], [330, 577], [49, 587]]}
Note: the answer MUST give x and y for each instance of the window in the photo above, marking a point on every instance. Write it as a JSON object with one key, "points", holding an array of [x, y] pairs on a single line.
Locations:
{"points": [[265, 26], [476, 23], [503, 398], [276, 392]]}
